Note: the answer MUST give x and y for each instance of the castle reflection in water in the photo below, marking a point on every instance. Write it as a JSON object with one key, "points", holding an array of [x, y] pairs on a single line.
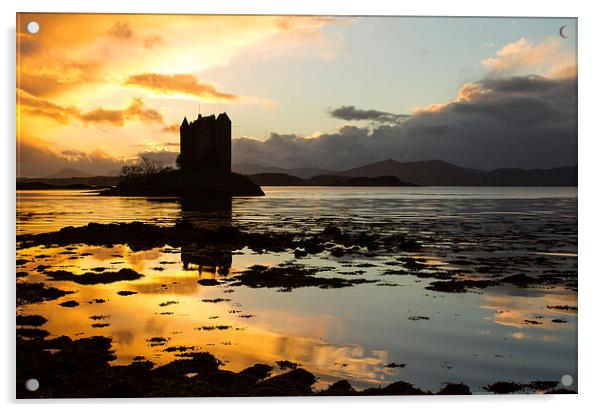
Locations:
{"points": [[207, 212]]}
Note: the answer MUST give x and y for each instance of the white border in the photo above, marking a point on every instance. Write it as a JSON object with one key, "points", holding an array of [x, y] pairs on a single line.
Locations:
{"points": [[590, 93]]}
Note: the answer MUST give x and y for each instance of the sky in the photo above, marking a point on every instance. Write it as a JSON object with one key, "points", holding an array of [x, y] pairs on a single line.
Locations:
{"points": [[95, 92]]}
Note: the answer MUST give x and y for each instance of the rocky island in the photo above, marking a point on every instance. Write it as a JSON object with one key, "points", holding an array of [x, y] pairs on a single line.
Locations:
{"points": [[204, 166]]}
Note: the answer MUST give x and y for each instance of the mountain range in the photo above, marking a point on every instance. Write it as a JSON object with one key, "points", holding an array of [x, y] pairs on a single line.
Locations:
{"points": [[303, 173], [423, 173], [67, 173], [434, 173]]}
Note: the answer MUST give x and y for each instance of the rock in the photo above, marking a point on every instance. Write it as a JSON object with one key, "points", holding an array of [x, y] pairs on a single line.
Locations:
{"points": [[186, 183], [331, 231], [36, 292], [31, 320]]}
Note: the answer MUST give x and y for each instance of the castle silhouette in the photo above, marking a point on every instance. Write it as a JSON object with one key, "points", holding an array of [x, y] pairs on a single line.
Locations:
{"points": [[205, 144]]}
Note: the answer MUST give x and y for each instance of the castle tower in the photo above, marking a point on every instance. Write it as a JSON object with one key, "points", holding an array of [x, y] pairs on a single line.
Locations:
{"points": [[206, 144]]}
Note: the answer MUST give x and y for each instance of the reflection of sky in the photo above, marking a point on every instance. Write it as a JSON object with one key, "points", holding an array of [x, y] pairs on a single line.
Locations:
{"points": [[348, 333]]}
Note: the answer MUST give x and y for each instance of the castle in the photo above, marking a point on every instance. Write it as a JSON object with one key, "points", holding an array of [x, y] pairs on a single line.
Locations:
{"points": [[205, 144]]}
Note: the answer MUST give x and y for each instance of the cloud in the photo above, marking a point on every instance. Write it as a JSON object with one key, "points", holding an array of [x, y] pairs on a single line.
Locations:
{"points": [[58, 76], [119, 44], [166, 157], [178, 83], [121, 30], [525, 57], [65, 114], [36, 158], [171, 128], [135, 111], [45, 108], [153, 41], [520, 121], [351, 113], [73, 155]]}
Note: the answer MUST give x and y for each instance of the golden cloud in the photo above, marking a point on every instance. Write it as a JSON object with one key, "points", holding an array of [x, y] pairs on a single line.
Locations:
{"points": [[467, 93], [524, 56], [178, 83], [171, 128], [121, 30], [119, 45], [64, 115], [71, 74]]}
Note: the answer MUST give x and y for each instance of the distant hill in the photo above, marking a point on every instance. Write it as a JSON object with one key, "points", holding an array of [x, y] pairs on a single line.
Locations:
{"points": [[337, 180], [67, 173], [276, 179], [440, 173], [282, 179], [427, 173], [376, 181], [253, 169], [423, 173], [60, 183]]}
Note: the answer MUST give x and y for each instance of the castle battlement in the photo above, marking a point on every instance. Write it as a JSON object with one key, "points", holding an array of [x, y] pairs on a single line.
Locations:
{"points": [[205, 144]]}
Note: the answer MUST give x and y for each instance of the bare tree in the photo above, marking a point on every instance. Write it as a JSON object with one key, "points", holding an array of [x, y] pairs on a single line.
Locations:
{"points": [[144, 168], [131, 171], [150, 166]]}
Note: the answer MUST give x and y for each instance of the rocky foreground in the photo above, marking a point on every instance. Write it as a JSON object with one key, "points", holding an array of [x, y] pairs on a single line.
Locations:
{"points": [[331, 240], [80, 368], [69, 368]]}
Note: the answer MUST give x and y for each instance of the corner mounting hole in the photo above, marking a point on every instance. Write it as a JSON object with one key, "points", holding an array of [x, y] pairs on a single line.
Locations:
{"points": [[33, 27], [32, 385], [566, 380]]}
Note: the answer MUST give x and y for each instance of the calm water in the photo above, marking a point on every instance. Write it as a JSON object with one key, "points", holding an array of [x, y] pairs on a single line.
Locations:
{"points": [[349, 333]]}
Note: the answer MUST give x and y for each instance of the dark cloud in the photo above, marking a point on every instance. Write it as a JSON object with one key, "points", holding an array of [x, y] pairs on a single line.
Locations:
{"points": [[351, 113], [527, 121], [178, 83], [38, 160]]}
